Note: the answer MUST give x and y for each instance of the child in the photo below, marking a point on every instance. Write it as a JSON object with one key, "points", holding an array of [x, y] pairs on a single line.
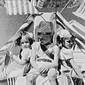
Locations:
{"points": [[16, 68]]}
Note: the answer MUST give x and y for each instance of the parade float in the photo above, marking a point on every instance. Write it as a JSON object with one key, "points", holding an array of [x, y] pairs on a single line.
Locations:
{"points": [[67, 13]]}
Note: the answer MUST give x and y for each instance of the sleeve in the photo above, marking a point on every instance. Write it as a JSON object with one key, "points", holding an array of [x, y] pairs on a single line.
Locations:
{"points": [[33, 56], [71, 56], [35, 46], [56, 54], [16, 50]]}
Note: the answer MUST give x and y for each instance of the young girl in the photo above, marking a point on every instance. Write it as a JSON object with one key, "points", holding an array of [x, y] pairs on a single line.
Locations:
{"points": [[66, 43], [16, 68]]}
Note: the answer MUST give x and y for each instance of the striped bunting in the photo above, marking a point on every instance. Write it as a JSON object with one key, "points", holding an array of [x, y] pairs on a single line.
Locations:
{"points": [[20, 7], [79, 28], [80, 12]]}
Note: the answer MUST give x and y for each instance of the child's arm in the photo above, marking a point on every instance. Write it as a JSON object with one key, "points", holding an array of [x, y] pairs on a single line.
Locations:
{"points": [[33, 56], [18, 60], [2, 59], [56, 57]]}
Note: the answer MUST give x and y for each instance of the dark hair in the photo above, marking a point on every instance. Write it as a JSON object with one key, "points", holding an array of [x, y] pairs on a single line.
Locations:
{"points": [[59, 40], [31, 41], [83, 72], [29, 0], [62, 41], [18, 41]]}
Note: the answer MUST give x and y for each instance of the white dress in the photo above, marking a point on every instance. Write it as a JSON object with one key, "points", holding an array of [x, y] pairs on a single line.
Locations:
{"points": [[41, 55], [15, 69], [66, 54]]}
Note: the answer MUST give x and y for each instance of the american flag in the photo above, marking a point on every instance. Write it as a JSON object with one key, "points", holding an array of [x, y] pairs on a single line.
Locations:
{"points": [[20, 7]]}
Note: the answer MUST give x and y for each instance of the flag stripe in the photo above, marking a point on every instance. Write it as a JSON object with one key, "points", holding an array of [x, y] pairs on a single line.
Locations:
{"points": [[19, 7], [32, 6], [14, 7], [78, 27], [25, 6], [81, 7], [9, 7]]}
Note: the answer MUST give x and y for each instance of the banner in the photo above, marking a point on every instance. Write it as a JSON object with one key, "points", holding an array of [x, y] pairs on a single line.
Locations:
{"points": [[20, 7]]}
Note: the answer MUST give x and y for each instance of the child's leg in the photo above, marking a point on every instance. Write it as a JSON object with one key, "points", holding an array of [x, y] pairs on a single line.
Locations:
{"points": [[52, 75], [31, 76]]}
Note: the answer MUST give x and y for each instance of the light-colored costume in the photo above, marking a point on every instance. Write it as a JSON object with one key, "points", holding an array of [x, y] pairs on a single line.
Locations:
{"points": [[66, 54], [4, 60], [41, 59], [15, 69]]}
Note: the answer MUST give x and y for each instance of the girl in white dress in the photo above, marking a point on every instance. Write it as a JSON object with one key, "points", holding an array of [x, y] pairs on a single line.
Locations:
{"points": [[66, 42], [17, 67]]}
